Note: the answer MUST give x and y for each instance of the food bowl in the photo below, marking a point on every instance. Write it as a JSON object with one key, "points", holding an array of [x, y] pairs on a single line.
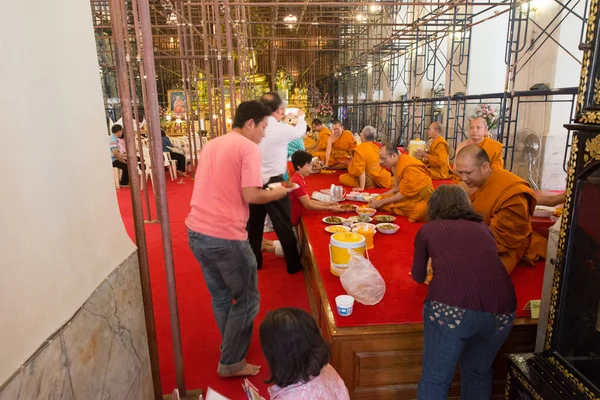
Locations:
{"points": [[387, 228], [543, 211], [365, 211], [384, 218], [337, 228], [352, 220], [356, 226]]}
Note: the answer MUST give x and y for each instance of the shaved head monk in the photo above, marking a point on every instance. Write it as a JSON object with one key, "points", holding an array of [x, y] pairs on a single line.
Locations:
{"points": [[506, 203], [436, 155], [338, 147], [365, 171], [412, 185], [478, 136]]}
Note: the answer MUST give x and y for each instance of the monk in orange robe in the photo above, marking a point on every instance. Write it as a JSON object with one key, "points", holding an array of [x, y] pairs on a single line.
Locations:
{"points": [[365, 171], [311, 140], [412, 185], [506, 203], [436, 155], [338, 147], [478, 135]]}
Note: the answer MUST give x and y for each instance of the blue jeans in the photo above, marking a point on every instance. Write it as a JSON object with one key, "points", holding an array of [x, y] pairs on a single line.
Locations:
{"points": [[229, 269], [470, 338]]}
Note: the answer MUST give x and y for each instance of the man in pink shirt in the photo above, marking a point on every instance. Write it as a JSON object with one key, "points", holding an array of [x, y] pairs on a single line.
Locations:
{"points": [[228, 178]]}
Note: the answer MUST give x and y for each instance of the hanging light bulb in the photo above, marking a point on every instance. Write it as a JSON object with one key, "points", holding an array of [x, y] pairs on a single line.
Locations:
{"points": [[374, 8], [359, 17], [290, 20]]}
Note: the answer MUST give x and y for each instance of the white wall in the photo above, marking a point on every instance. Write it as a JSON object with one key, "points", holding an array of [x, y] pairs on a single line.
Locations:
{"points": [[60, 229], [487, 68]]}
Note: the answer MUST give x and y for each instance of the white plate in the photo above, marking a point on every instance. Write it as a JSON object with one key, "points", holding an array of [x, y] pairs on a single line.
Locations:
{"points": [[543, 211], [387, 231], [344, 228], [333, 223], [278, 184]]}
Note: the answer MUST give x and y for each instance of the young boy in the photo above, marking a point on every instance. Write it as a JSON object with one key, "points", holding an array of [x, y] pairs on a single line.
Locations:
{"points": [[299, 198]]}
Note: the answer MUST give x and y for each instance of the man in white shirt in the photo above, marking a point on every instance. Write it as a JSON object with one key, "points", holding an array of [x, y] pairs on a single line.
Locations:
{"points": [[274, 163]]}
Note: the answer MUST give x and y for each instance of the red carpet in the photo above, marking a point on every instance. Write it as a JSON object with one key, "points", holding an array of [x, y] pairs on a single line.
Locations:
{"points": [[392, 256], [199, 334]]}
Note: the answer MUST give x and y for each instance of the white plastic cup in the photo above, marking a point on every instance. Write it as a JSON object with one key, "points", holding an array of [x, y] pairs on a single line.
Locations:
{"points": [[345, 304]]}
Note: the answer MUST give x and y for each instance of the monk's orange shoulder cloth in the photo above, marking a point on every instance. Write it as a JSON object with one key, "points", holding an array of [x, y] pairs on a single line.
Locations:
{"points": [[507, 203], [323, 138], [494, 152], [412, 175], [345, 142]]}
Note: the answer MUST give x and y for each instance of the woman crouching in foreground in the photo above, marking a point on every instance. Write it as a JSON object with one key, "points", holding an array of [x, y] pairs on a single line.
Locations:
{"points": [[298, 358]]}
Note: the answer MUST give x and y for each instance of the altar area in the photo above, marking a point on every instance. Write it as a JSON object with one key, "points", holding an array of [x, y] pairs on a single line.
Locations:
{"points": [[378, 349]]}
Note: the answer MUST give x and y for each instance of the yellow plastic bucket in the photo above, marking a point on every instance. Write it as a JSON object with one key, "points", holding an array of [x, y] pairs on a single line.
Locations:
{"points": [[339, 245]]}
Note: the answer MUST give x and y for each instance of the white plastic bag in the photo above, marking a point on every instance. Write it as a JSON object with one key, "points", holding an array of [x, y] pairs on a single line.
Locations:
{"points": [[362, 280]]}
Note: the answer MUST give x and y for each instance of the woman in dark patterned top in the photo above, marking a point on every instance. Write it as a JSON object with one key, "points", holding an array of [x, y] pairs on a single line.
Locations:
{"points": [[470, 304]]}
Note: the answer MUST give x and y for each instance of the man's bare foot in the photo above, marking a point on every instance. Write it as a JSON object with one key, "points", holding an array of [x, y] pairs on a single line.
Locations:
{"points": [[249, 370]]}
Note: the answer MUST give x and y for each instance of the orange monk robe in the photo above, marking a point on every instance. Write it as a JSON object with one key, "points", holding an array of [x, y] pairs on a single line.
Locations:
{"points": [[366, 160], [341, 149], [310, 143], [507, 204], [438, 159], [494, 152], [323, 137], [413, 181]]}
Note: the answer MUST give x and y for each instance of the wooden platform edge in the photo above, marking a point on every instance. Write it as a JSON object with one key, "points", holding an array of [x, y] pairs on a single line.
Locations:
{"points": [[384, 361]]}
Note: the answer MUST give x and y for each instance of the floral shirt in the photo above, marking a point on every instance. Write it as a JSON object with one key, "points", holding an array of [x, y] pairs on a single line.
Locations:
{"points": [[327, 386]]}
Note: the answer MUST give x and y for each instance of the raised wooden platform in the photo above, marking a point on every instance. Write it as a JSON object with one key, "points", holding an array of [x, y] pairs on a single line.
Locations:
{"points": [[384, 361]]}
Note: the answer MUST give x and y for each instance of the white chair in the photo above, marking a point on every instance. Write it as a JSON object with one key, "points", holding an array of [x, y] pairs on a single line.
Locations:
{"points": [[171, 164], [148, 162]]}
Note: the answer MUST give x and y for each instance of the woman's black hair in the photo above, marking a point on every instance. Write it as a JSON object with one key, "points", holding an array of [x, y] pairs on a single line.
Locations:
{"points": [[451, 202], [293, 346], [300, 158]]}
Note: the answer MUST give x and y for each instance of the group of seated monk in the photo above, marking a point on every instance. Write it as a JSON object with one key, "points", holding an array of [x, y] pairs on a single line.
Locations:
{"points": [[504, 200]]}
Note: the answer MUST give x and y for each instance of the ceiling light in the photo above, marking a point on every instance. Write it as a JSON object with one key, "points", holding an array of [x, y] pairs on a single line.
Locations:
{"points": [[374, 8], [359, 17], [290, 19], [172, 19]]}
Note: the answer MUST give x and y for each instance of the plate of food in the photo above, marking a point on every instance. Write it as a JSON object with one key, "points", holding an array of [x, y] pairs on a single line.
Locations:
{"points": [[355, 219], [348, 207], [384, 218], [388, 228], [285, 184], [333, 220], [366, 211], [543, 211], [337, 228]]}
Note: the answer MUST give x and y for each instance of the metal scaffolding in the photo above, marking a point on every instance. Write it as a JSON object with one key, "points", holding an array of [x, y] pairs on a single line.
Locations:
{"points": [[395, 65]]}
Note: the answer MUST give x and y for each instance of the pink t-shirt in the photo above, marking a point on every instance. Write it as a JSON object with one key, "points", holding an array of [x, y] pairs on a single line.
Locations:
{"points": [[327, 386], [225, 166]]}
